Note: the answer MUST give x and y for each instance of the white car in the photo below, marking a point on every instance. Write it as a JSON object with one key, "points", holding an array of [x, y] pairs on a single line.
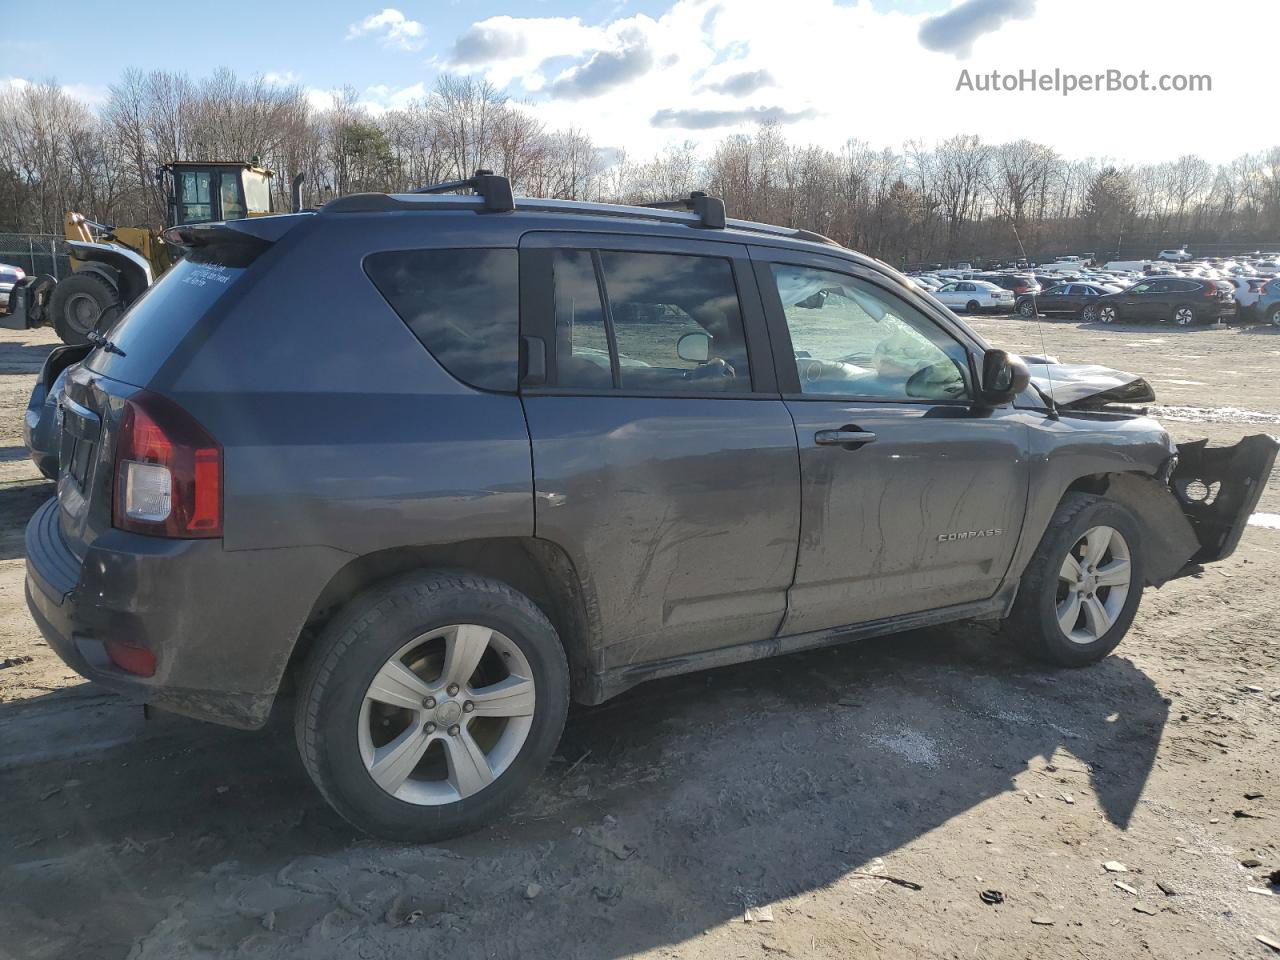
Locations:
{"points": [[1247, 290], [975, 296], [8, 277], [1174, 255]]}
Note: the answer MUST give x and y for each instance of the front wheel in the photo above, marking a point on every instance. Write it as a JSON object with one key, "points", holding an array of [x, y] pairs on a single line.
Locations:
{"points": [[1184, 316], [430, 703], [1107, 313], [1273, 317], [1081, 590], [1027, 308]]}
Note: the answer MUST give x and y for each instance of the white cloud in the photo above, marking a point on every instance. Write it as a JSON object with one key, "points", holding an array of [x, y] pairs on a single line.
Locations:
{"points": [[395, 29], [375, 100], [91, 95], [281, 78], [842, 71]]}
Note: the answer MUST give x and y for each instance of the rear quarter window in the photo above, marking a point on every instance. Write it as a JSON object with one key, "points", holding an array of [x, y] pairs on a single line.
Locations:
{"points": [[157, 322], [462, 305]]}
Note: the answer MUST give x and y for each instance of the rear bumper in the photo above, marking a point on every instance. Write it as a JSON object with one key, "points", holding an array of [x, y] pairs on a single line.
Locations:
{"points": [[221, 625]]}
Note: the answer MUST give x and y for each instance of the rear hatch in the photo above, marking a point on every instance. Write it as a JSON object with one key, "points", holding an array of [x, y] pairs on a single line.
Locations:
{"points": [[164, 323]]}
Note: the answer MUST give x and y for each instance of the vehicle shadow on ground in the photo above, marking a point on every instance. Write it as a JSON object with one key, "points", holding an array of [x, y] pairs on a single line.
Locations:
{"points": [[666, 812]]}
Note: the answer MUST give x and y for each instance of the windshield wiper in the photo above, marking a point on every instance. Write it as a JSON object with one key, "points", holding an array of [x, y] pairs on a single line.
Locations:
{"points": [[100, 340]]}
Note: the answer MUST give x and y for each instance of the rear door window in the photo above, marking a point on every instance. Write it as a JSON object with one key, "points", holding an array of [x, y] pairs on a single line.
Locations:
{"points": [[648, 323], [462, 305], [158, 321]]}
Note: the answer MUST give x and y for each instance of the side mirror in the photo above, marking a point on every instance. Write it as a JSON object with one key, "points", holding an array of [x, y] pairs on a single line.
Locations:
{"points": [[1004, 376], [694, 347]]}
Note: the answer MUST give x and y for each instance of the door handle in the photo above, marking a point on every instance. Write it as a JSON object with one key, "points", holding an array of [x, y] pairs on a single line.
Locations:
{"points": [[845, 438]]}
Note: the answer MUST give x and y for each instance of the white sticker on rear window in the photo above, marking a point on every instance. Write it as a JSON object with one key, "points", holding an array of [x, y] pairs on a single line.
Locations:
{"points": [[199, 276]]}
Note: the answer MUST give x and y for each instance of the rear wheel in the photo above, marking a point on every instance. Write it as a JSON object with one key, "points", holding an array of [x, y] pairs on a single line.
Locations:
{"points": [[1184, 315], [1081, 590], [1107, 313], [1089, 313], [973, 306], [82, 303], [430, 704]]}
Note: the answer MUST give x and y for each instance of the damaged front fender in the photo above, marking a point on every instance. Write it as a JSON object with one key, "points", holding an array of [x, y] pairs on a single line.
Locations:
{"points": [[1218, 489]]}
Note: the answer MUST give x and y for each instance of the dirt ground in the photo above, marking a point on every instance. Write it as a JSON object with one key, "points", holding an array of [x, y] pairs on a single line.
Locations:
{"points": [[794, 787]]}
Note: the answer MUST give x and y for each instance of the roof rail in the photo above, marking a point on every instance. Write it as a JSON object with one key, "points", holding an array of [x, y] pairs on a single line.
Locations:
{"points": [[495, 190], [710, 210]]}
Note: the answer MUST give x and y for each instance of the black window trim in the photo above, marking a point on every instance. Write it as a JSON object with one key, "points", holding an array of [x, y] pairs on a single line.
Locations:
{"points": [[537, 312], [784, 363]]}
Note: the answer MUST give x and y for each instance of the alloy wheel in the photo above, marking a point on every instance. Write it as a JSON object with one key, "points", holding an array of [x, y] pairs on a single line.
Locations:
{"points": [[1093, 584], [447, 714], [1107, 314], [1027, 308], [1184, 316]]}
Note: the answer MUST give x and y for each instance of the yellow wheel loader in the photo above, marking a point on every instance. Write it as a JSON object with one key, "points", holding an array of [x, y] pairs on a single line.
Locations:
{"points": [[113, 266]]}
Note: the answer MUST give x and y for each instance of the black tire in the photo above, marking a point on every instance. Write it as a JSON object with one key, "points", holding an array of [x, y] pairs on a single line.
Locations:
{"points": [[356, 644], [1027, 309], [973, 306], [1088, 313], [1108, 313], [1033, 623], [73, 302], [1273, 317], [1179, 309]]}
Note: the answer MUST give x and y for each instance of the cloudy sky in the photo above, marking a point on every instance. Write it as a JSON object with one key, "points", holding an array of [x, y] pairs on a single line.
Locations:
{"points": [[641, 74]]}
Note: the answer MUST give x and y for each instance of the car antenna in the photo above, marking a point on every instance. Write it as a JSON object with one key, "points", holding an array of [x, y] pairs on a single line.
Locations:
{"points": [[1049, 397]]}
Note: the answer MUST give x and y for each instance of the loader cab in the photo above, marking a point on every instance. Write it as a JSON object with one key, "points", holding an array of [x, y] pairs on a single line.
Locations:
{"points": [[204, 192]]}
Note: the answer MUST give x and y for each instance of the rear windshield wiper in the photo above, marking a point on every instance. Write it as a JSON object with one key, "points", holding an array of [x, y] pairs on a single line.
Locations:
{"points": [[100, 340]]}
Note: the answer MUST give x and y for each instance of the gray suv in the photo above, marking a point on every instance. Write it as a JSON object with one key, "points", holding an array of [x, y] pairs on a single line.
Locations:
{"points": [[439, 463]]}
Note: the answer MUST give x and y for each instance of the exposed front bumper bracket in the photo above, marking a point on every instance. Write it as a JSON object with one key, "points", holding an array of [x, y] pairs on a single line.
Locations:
{"points": [[1218, 489]]}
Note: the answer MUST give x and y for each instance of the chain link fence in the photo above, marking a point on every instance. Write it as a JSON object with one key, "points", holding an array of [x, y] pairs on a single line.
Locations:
{"points": [[35, 253]]}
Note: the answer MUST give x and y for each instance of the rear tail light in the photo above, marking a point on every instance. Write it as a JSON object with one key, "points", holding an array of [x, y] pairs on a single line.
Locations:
{"points": [[168, 479]]}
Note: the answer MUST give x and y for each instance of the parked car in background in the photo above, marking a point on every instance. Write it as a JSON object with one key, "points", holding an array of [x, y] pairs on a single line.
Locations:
{"points": [[974, 296], [1019, 283], [41, 430], [1267, 306], [1177, 255], [1182, 300], [9, 275], [1246, 291], [1079, 299]]}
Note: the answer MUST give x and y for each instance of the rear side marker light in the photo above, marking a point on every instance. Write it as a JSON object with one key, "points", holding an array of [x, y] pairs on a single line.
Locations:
{"points": [[136, 660], [168, 472]]}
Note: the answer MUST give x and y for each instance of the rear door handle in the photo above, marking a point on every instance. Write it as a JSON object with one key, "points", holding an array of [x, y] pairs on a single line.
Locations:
{"points": [[844, 437]]}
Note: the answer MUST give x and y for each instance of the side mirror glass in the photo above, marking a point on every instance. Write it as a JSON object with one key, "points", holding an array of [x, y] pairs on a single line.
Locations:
{"points": [[1004, 376], [694, 347]]}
